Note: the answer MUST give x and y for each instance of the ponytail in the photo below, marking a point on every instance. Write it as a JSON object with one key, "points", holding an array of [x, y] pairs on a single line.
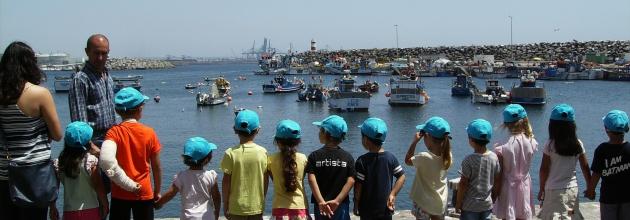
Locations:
{"points": [[289, 170], [520, 126], [527, 128], [446, 152]]}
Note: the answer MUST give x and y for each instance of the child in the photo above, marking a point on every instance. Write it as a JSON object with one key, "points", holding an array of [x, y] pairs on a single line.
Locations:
{"points": [[429, 190], [331, 171], [610, 163], [198, 186], [479, 172], [78, 172], [244, 166], [515, 157], [558, 184], [287, 172], [137, 151], [374, 191]]}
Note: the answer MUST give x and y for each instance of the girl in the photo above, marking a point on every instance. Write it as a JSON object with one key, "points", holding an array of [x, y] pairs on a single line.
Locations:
{"points": [[515, 158], [79, 174], [198, 186], [429, 191], [558, 184], [287, 173]]}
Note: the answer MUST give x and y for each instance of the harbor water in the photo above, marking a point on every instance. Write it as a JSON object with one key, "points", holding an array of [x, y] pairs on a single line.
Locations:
{"points": [[176, 117]]}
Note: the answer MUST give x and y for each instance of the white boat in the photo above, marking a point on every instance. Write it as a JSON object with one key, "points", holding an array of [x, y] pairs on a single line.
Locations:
{"points": [[213, 96], [407, 89], [62, 83], [493, 94], [347, 97]]}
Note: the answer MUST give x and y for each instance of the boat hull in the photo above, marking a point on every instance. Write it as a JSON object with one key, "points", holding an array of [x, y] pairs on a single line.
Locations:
{"points": [[528, 95], [406, 99], [279, 89], [204, 99], [62, 85], [349, 104], [460, 92]]}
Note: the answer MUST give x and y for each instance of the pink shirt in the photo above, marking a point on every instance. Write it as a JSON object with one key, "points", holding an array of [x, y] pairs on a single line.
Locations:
{"points": [[515, 200]]}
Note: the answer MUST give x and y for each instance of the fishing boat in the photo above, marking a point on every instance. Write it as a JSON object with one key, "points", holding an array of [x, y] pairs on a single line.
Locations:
{"points": [[191, 86], [337, 66], [281, 84], [314, 91], [62, 83], [346, 97], [213, 96], [407, 89], [493, 94], [128, 81], [617, 74], [369, 86], [223, 85], [462, 85], [486, 71], [528, 91]]}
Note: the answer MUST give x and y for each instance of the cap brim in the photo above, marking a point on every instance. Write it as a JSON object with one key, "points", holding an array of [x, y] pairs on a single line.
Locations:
{"points": [[145, 97], [420, 127]]}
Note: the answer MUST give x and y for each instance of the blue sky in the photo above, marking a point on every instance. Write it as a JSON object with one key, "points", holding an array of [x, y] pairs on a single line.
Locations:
{"points": [[225, 28]]}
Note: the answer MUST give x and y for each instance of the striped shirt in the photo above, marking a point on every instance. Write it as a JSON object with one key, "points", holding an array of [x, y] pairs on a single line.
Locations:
{"points": [[480, 169], [91, 99], [24, 138]]}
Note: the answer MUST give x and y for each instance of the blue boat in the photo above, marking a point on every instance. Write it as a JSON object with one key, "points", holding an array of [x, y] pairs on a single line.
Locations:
{"points": [[281, 84], [462, 85]]}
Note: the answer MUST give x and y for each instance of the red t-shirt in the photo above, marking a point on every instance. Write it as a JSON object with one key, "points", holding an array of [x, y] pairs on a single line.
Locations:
{"points": [[136, 143]]}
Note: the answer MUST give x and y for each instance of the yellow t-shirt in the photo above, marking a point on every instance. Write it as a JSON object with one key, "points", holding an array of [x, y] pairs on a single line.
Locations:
{"points": [[282, 198], [247, 164], [429, 189]]}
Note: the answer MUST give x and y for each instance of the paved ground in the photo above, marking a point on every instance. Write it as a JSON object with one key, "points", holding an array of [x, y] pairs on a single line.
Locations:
{"points": [[590, 210]]}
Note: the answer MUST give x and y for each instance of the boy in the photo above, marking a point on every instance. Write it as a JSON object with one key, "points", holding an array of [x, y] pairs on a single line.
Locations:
{"points": [[479, 172], [244, 166], [610, 163], [138, 154], [331, 171], [374, 194]]}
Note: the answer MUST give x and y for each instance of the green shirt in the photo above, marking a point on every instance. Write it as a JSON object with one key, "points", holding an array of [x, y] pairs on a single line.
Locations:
{"points": [[246, 164]]}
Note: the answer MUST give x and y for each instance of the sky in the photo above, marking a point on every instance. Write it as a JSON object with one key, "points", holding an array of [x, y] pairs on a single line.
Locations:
{"points": [[226, 28]]}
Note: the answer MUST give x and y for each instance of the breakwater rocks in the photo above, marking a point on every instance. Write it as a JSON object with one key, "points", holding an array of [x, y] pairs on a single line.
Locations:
{"points": [[544, 51], [137, 63]]}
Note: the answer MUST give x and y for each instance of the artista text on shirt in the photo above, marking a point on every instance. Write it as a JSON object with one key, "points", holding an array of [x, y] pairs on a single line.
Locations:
{"points": [[331, 163]]}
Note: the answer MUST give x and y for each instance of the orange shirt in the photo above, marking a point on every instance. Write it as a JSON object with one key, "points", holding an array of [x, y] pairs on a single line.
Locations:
{"points": [[136, 143]]}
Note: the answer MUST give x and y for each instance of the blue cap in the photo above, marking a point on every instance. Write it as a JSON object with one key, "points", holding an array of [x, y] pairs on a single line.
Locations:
{"points": [[288, 129], [563, 112], [128, 98], [616, 121], [78, 134], [437, 127], [479, 129], [513, 112], [374, 128], [198, 148], [247, 121], [334, 125]]}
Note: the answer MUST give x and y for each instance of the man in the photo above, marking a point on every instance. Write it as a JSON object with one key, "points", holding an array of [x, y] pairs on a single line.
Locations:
{"points": [[91, 95]]}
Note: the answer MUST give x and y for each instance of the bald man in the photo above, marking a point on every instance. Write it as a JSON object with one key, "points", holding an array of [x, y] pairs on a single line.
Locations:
{"points": [[91, 95]]}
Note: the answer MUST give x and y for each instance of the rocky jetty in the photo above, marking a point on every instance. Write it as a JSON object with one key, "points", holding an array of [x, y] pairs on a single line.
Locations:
{"points": [[543, 51], [137, 63]]}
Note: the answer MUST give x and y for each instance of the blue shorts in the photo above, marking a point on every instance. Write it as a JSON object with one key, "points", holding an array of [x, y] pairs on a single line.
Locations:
{"points": [[485, 215], [342, 212]]}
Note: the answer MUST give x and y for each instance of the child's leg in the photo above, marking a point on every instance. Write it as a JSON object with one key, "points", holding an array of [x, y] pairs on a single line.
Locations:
{"points": [[120, 209], [142, 209], [624, 213]]}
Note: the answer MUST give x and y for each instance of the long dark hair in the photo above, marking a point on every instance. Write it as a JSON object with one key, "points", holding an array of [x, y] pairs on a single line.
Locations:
{"points": [[564, 137], [288, 148], [70, 161], [17, 66]]}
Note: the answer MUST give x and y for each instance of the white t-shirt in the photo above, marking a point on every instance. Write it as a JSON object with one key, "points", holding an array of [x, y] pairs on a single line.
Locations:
{"points": [[195, 188], [429, 189], [561, 168]]}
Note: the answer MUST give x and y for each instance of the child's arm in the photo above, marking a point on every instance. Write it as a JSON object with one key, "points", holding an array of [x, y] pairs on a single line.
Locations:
{"points": [[412, 148], [168, 195], [586, 171], [590, 192], [156, 169], [97, 182], [462, 187], [216, 199], [357, 197], [333, 204], [543, 175], [498, 183], [266, 182], [226, 185], [323, 206], [109, 164], [391, 201]]}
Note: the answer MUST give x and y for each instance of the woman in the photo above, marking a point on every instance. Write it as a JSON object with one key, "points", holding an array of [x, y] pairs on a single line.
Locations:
{"points": [[28, 121]]}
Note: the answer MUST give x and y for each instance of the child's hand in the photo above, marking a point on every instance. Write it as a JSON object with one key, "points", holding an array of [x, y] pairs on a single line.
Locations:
{"points": [[355, 209], [54, 213], [325, 210], [417, 136], [391, 202], [541, 195], [590, 193], [104, 210], [333, 205]]}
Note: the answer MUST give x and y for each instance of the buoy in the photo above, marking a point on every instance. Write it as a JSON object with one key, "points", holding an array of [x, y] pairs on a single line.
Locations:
{"points": [[260, 106], [156, 99], [387, 94], [229, 98], [250, 92]]}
